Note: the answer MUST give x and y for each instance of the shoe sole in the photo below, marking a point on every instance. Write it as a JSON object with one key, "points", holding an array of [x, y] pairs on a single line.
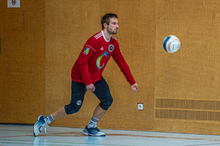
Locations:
{"points": [[86, 133], [34, 134]]}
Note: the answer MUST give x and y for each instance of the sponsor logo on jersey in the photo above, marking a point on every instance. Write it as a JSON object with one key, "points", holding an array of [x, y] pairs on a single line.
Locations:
{"points": [[110, 48], [98, 61], [86, 51]]}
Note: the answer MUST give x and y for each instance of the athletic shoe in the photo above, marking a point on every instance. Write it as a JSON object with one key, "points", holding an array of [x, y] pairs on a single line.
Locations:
{"points": [[93, 132], [40, 125]]}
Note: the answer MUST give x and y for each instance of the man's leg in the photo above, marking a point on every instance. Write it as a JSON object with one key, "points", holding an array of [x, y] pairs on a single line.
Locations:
{"points": [[77, 97], [42, 122], [103, 93], [91, 129], [99, 112], [59, 113]]}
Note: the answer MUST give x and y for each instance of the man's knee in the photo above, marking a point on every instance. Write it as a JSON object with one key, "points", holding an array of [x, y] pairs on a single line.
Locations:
{"points": [[73, 107], [106, 103]]}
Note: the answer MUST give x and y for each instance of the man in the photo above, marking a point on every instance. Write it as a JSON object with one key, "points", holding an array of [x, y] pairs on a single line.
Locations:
{"points": [[87, 75]]}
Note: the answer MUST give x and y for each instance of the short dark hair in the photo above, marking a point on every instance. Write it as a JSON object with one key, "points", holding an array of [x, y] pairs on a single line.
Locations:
{"points": [[106, 18]]}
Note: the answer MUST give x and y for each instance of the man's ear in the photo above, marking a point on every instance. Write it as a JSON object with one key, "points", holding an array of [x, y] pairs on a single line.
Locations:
{"points": [[105, 25]]}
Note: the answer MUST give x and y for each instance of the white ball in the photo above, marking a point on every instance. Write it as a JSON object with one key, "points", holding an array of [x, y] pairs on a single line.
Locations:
{"points": [[171, 44]]}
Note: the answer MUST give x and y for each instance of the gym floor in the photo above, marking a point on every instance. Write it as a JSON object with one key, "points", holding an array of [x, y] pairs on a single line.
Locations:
{"points": [[21, 135]]}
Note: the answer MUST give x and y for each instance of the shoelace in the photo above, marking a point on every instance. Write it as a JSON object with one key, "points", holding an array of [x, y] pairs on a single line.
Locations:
{"points": [[44, 127]]}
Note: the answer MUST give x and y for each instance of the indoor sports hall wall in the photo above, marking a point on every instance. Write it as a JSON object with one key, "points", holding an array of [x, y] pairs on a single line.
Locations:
{"points": [[187, 83], [180, 92], [22, 61]]}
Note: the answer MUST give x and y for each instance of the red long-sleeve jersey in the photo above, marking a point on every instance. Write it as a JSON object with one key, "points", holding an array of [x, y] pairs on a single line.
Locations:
{"points": [[93, 59]]}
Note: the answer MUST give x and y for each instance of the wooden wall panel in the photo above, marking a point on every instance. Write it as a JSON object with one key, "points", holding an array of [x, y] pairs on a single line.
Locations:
{"points": [[187, 82], [22, 61], [187, 126]]}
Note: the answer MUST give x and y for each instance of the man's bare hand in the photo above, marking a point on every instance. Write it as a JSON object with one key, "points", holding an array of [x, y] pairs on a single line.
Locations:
{"points": [[90, 87], [134, 87]]}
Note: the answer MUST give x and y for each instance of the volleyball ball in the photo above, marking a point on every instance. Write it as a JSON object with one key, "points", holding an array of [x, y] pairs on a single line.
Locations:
{"points": [[171, 44]]}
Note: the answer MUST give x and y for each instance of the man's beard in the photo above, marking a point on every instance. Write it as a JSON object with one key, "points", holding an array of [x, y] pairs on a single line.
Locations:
{"points": [[110, 31]]}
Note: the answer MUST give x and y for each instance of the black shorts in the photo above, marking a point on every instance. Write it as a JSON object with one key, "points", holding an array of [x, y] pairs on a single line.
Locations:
{"points": [[102, 92]]}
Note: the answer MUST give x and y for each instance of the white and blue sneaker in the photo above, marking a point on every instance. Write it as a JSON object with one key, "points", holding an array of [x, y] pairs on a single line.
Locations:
{"points": [[93, 132], [40, 125]]}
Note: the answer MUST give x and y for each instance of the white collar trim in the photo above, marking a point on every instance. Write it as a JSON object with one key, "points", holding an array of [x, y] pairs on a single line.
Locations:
{"points": [[104, 37]]}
